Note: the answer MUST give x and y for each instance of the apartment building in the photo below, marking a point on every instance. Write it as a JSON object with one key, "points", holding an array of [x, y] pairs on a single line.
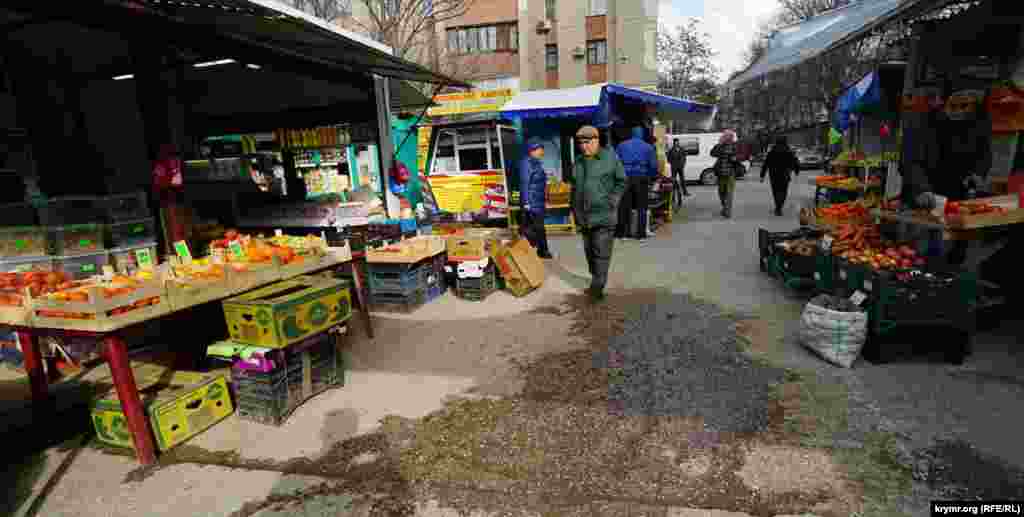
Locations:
{"points": [[541, 44], [568, 43]]}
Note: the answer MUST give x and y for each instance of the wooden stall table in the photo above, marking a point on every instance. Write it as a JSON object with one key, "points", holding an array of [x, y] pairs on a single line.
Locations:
{"points": [[111, 331]]}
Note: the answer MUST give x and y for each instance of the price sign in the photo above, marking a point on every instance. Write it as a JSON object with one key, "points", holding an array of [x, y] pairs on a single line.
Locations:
{"points": [[826, 242], [144, 258], [858, 298], [108, 273], [181, 248], [236, 249], [278, 233]]}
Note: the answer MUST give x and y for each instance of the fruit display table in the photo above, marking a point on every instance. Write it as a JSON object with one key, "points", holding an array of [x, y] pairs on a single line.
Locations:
{"points": [[109, 330]]}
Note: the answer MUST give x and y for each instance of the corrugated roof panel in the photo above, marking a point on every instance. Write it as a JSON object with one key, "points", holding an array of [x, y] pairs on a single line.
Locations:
{"points": [[797, 43]]}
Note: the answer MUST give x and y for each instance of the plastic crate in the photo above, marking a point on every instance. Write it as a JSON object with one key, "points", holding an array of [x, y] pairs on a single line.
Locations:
{"points": [[797, 265], [127, 207], [80, 267], [269, 398], [850, 277], [398, 282], [435, 292], [77, 239], [944, 297], [73, 211], [23, 241], [26, 264], [18, 214], [766, 241], [132, 233], [386, 302], [407, 225], [825, 273]]}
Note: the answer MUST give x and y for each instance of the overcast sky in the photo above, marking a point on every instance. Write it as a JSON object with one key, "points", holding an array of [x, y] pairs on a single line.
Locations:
{"points": [[731, 24]]}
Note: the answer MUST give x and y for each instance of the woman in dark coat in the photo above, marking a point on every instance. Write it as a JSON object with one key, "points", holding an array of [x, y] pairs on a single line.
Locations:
{"points": [[781, 161]]}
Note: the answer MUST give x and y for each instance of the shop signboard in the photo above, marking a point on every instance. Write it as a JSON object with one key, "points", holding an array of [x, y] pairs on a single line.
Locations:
{"points": [[470, 191], [481, 101]]}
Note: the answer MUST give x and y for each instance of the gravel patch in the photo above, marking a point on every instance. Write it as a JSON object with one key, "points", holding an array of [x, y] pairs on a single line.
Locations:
{"points": [[682, 357], [957, 470]]}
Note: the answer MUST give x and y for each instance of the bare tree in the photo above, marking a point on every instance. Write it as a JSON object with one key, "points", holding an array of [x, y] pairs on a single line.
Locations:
{"points": [[329, 10], [685, 62], [795, 11], [406, 25]]}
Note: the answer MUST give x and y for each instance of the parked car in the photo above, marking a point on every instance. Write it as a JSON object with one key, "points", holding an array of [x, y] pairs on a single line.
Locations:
{"points": [[810, 159], [699, 162]]}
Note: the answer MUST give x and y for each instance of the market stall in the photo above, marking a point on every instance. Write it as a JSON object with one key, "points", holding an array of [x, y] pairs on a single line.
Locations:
{"points": [[154, 82], [940, 244], [553, 116]]}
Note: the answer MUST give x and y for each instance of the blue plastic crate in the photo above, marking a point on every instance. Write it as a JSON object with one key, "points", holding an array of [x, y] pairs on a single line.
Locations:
{"points": [[407, 225], [435, 292], [398, 282], [556, 219]]}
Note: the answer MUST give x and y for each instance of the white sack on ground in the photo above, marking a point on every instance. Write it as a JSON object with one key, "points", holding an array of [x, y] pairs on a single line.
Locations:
{"points": [[836, 336]]}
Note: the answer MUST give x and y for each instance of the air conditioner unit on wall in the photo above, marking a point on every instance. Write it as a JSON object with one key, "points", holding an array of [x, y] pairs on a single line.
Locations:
{"points": [[578, 52], [544, 26]]}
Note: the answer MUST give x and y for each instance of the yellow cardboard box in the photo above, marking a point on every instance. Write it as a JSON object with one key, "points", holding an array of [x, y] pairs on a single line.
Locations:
{"points": [[179, 406], [287, 312]]}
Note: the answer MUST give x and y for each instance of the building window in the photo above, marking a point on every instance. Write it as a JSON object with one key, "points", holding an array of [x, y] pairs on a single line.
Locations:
{"points": [[598, 7], [549, 9], [551, 57], [488, 38], [597, 52]]}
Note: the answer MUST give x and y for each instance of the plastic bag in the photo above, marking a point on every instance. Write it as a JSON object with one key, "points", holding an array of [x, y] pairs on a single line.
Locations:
{"points": [[838, 337]]}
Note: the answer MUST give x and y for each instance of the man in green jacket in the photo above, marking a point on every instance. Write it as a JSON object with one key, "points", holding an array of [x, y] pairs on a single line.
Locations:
{"points": [[599, 181]]}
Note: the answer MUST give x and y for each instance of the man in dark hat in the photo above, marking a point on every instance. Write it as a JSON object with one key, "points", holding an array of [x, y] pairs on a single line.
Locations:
{"points": [[599, 181], [533, 183]]}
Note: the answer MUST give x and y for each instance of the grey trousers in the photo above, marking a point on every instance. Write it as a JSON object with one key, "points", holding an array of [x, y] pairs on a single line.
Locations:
{"points": [[598, 243]]}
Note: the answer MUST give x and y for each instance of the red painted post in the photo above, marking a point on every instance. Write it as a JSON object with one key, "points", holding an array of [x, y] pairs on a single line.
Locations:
{"points": [[34, 365], [128, 394]]}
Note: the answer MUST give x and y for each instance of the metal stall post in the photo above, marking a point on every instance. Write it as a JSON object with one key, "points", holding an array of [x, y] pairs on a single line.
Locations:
{"points": [[385, 144]]}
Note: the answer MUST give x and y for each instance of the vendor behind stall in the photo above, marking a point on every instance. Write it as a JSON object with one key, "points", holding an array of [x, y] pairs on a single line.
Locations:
{"points": [[949, 153]]}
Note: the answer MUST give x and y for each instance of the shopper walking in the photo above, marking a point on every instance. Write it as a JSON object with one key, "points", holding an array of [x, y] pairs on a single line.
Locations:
{"points": [[640, 162], [780, 165], [726, 168], [533, 183], [598, 184], [677, 160]]}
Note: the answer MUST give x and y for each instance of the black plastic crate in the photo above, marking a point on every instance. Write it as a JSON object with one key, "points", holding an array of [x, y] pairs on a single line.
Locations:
{"points": [[383, 232], [946, 296], [73, 211], [767, 240], [127, 207], [386, 302], [797, 265], [271, 397], [126, 234]]}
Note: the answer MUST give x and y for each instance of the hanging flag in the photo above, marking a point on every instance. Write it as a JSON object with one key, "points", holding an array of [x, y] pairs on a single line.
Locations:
{"points": [[884, 130], [834, 137]]}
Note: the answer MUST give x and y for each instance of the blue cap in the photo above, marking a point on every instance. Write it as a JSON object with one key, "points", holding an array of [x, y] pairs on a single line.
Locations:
{"points": [[533, 144]]}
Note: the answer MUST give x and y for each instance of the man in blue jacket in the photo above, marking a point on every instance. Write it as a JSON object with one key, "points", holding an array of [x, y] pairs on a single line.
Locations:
{"points": [[533, 183], [641, 164]]}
